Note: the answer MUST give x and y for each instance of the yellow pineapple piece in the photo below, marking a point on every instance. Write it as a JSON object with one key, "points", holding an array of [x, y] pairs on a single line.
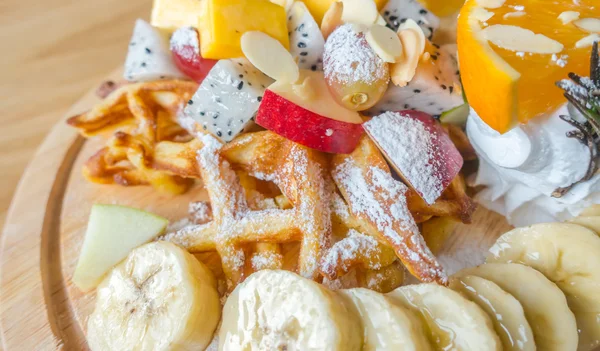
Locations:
{"points": [[172, 14], [224, 21], [318, 8]]}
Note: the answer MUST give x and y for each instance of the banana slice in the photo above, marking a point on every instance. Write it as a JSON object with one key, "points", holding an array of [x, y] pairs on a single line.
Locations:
{"points": [[279, 310], [386, 326], [454, 322], [590, 222], [503, 309], [593, 210], [545, 306], [159, 298], [568, 255]]}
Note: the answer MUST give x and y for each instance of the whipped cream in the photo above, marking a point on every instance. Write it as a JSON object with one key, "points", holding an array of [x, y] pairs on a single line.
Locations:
{"points": [[523, 167]]}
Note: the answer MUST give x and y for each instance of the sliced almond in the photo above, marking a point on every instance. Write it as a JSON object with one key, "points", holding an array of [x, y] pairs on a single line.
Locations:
{"points": [[591, 25], [385, 43], [515, 14], [568, 17], [411, 24], [491, 4], [482, 14], [403, 71], [519, 39], [587, 41], [360, 11], [269, 56], [332, 18]]}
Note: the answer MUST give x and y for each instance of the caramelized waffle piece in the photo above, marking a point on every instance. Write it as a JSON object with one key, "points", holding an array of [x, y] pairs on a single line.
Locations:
{"points": [[148, 146], [298, 173], [454, 203], [378, 202]]}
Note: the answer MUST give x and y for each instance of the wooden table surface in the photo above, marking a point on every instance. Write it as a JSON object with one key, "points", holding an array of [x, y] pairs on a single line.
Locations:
{"points": [[53, 52]]}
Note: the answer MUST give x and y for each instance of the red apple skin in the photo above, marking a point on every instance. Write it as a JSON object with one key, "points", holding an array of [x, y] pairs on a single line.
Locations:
{"points": [[444, 149], [189, 60], [304, 127]]}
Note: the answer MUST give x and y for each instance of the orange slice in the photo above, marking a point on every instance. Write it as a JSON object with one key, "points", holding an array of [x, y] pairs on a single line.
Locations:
{"points": [[510, 56], [442, 8]]}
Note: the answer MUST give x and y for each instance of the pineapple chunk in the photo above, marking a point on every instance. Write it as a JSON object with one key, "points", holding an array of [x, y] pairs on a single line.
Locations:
{"points": [[318, 8], [172, 14], [224, 21]]}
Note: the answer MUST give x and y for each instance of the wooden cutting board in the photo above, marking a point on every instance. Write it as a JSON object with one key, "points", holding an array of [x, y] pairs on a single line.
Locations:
{"points": [[40, 308]]}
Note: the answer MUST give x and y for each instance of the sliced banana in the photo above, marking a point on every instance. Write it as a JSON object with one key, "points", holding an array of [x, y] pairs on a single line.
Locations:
{"points": [[279, 310], [454, 322], [568, 255], [590, 222], [159, 298], [545, 306], [593, 210], [504, 310], [386, 326]]}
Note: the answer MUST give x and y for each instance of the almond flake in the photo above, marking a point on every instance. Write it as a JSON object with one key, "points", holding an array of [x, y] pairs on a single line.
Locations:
{"points": [[482, 14], [591, 25], [413, 45], [491, 4], [269, 56], [411, 24], [360, 11], [568, 17], [519, 39], [385, 42], [514, 14], [332, 18], [587, 41]]}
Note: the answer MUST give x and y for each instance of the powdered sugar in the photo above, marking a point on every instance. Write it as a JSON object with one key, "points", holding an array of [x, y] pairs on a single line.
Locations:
{"points": [[185, 42], [265, 260], [348, 249], [376, 196], [416, 151], [200, 212], [348, 58]]}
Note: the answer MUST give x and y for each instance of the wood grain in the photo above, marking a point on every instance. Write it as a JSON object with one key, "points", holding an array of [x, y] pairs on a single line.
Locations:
{"points": [[53, 52]]}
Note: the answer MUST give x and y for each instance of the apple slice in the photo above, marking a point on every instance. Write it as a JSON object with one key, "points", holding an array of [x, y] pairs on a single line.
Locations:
{"points": [[112, 232], [419, 149], [307, 114]]}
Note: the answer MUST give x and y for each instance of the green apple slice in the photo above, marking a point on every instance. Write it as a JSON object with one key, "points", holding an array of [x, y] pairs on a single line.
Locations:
{"points": [[112, 232]]}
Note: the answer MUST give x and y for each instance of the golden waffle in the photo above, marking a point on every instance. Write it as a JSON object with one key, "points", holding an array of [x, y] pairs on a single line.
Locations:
{"points": [[378, 203], [143, 118], [299, 174]]}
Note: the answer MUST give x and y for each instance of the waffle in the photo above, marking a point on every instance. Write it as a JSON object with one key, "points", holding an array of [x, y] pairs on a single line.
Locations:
{"points": [[145, 137], [299, 174]]}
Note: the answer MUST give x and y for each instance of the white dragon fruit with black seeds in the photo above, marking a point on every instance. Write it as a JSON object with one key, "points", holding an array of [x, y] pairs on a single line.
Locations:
{"points": [[227, 100], [149, 57], [306, 40], [397, 12], [434, 89]]}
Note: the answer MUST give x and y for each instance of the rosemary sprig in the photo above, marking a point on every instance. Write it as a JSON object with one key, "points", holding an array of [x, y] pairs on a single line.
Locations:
{"points": [[584, 94]]}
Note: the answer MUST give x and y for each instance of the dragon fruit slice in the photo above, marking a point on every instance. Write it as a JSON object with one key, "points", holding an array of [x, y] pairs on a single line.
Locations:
{"points": [[397, 12], [306, 39], [434, 89], [227, 100], [149, 57]]}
